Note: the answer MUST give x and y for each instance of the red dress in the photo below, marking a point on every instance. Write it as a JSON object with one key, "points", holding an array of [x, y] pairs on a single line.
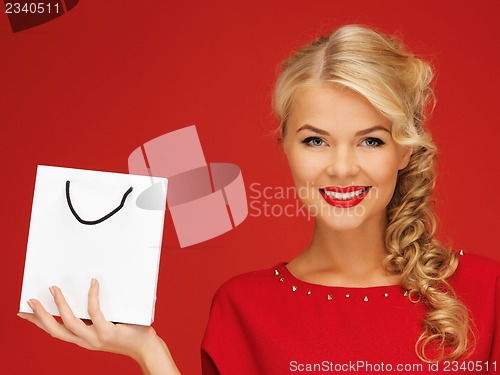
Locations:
{"points": [[269, 322]]}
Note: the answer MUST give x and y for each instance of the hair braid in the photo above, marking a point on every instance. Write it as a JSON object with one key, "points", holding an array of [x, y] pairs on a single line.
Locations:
{"points": [[422, 261]]}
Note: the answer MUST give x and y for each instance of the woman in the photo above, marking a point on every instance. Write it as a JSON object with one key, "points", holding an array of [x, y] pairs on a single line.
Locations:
{"points": [[374, 290]]}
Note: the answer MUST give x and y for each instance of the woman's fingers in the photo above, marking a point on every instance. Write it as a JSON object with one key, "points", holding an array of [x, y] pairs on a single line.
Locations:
{"points": [[94, 308], [71, 322], [30, 317], [101, 334], [46, 321], [104, 330], [125, 339]]}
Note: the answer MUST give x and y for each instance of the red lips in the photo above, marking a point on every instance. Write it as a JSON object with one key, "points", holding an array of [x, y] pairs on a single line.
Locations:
{"points": [[344, 203]]}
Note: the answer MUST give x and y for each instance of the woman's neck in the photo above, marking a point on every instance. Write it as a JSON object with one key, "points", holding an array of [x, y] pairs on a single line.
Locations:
{"points": [[345, 258]]}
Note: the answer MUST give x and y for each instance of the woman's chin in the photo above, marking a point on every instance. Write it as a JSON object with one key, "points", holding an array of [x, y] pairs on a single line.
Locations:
{"points": [[342, 220], [341, 225]]}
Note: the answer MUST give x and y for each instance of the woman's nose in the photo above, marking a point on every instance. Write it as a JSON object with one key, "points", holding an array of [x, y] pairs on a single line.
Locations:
{"points": [[343, 163]]}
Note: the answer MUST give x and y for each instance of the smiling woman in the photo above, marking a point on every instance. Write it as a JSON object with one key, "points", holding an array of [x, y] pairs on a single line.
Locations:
{"points": [[374, 286], [366, 96], [375, 290], [350, 143]]}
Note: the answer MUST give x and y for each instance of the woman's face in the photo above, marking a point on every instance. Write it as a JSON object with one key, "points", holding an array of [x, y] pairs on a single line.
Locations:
{"points": [[342, 156]]}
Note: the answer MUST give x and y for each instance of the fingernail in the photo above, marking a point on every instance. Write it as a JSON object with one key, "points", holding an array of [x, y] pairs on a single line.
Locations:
{"points": [[31, 305], [22, 317], [52, 291], [92, 282]]}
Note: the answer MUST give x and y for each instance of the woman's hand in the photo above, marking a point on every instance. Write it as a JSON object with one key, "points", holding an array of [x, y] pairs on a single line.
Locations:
{"points": [[138, 342]]}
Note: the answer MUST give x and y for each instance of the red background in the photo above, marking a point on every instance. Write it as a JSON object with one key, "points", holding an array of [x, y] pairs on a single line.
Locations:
{"points": [[87, 88]]}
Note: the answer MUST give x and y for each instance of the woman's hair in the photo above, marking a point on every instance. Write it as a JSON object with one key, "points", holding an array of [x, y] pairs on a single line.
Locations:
{"points": [[398, 84]]}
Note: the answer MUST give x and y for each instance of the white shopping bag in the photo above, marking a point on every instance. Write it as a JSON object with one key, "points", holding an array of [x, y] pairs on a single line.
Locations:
{"points": [[87, 224]]}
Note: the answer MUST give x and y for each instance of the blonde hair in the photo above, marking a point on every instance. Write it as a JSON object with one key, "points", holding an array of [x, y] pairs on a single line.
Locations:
{"points": [[398, 84]]}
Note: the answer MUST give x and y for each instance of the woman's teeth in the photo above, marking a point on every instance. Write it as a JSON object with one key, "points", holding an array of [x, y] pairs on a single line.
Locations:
{"points": [[345, 196]]}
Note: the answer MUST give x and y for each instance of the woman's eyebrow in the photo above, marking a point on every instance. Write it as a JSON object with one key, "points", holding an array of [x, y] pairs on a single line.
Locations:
{"points": [[372, 129], [361, 132], [313, 129]]}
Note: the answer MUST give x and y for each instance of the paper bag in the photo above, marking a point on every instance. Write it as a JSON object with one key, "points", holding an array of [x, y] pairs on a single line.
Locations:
{"points": [[87, 224]]}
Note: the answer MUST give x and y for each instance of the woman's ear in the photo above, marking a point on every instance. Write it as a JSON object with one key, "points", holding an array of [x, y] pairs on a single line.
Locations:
{"points": [[407, 151], [281, 142]]}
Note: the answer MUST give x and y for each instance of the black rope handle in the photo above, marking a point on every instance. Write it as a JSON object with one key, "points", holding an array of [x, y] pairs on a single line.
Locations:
{"points": [[105, 217]]}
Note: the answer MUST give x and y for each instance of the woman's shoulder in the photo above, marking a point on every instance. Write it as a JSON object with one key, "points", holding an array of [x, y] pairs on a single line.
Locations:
{"points": [[476, 272], [249, 282], [478, 265], [251, 278]]}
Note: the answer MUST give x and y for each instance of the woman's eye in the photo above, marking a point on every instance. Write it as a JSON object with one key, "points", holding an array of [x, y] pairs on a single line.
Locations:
{"points": [[373, 142], [313, 142]]}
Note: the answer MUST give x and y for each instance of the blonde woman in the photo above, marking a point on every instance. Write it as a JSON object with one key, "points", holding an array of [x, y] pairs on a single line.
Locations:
{"points": [[374, 291]]}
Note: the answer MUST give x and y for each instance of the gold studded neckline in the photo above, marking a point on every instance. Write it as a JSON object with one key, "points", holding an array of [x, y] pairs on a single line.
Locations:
{"points": [[332, 293], [298, 286]]}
